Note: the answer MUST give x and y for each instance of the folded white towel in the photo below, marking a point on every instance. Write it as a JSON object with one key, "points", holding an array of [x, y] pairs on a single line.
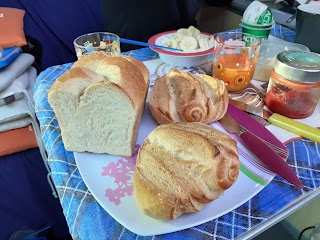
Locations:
{"points": [[14, 70], [17, 104], [16, 96], [14, 92], [24, 121]]}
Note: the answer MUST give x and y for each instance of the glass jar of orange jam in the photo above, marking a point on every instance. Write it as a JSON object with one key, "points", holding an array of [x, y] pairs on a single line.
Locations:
{"points": [[294, 86]]}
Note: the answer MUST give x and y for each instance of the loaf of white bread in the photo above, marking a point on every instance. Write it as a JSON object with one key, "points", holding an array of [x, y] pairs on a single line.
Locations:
{"points": [[181, 96], [183, 166], [99, 103]]}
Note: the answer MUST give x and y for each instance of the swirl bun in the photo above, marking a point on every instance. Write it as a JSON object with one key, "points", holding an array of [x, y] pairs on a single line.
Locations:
{"points": [[184, 97], [183, 166]]}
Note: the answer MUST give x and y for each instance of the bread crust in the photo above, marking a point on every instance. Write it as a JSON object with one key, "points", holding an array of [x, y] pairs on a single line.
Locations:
{"points": [[132, 74], [78, 72], [183, 166], [90, 60], [142, 67], [131, 78], [184, 97], [126, 78]]}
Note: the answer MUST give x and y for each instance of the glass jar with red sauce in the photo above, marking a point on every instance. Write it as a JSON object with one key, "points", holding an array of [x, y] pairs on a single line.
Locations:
{"points": [[294, 86]]}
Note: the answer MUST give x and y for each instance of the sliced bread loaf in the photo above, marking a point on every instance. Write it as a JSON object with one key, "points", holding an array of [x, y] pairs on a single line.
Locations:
{"points": [[99, 104]]}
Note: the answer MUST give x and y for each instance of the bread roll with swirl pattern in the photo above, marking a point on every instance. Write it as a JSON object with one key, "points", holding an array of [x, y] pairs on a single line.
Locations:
{"points": [[184, 97], [183, 166]]}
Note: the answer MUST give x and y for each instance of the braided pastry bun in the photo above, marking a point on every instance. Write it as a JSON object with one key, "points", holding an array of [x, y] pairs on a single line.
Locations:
{"points": [[183, 166], [184, 97]]}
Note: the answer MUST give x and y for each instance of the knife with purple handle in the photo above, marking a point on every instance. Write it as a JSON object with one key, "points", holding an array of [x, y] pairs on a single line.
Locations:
{"points": [[249, 123], [266, 155], [273, 161]]}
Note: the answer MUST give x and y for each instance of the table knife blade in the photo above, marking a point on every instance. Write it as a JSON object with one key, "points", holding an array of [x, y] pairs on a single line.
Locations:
{"points": [[251, 124], [269, 157]]}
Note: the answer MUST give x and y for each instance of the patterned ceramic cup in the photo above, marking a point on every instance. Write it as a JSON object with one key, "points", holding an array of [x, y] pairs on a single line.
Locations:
{"points": [[95, 42]]}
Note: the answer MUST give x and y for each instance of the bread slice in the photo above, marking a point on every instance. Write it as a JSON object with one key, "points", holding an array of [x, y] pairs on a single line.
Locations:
{"points": [[100, 110], [183, 166]]}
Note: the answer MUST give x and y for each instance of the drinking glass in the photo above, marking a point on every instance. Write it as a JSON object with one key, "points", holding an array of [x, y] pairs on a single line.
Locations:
{"points": [[235, 59], [95, 42]]}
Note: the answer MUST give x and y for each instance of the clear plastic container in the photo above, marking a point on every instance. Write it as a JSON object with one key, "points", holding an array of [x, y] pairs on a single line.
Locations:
{"points": [[268, 52], [294, 87]]}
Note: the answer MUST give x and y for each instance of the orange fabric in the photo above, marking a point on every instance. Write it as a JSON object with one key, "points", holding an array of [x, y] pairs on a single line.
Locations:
{"points": [[17, 140], [11, 28]]}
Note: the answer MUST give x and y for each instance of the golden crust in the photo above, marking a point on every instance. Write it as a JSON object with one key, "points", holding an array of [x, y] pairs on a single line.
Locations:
{"points": [[183, 166], [142, 67], [87, 60], [78, 72], [131, 78], [133, 75], [184, 97], [125, 77]]}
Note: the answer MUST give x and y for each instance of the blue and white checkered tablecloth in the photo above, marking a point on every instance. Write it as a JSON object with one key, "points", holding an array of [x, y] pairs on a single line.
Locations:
{"points": [[86, 218]]}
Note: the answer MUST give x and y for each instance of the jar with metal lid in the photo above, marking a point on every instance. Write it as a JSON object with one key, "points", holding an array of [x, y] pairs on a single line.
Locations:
{"points": [[294, 86]]}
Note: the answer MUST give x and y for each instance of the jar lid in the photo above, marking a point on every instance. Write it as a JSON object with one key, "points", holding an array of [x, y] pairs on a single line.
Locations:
{"points": [[298, 66]]}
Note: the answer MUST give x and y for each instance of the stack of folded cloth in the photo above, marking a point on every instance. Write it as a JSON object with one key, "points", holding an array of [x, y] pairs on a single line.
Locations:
{"points": [[17, 116], [19, 128]]}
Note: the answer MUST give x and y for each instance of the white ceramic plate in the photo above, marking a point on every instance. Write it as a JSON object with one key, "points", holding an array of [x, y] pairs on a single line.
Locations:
{"points": [[180, 58], [109, 178]]}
